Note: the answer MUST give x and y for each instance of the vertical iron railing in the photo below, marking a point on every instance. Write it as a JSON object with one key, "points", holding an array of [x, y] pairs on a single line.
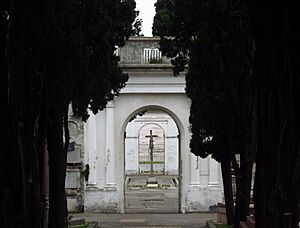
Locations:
{"points": [[152, 55]]}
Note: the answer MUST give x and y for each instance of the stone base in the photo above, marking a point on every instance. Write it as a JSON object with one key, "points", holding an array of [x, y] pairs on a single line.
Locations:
{"points": [[152, 182], [107, 200], [201, 199], [76, 222], [101, 201]]}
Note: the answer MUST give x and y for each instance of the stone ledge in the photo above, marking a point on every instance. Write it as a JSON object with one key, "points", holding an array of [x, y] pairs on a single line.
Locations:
{"points": [[76, 222], [146, 65]]}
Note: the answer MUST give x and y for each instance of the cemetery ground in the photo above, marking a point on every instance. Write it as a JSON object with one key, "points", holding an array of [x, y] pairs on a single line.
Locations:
{"points": [[141, 197], [190, 220], [149, 206]]}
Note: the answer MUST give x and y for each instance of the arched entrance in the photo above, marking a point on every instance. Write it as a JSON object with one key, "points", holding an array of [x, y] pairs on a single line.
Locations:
{"points": [[150, 86], [152, 164], [177, 107]]}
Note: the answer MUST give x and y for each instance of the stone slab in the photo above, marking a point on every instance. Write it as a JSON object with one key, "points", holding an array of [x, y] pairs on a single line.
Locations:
{"points": [[149, 185], [72, 179], [143, 182], [132, 220], [152, 180], [76, 222]]}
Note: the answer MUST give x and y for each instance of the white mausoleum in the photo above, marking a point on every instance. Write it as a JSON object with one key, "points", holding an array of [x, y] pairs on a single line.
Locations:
{"points": [[116, 139]]}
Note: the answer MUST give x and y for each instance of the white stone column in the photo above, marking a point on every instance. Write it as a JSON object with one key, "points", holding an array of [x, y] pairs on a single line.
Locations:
{"points": [[110, 146], [101, 148], [204, 172], [91, 149], [195, 178], [213, 172]]}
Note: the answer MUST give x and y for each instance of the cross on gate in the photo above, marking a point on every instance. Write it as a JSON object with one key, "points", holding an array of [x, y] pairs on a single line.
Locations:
{"points": [[151, 147]]}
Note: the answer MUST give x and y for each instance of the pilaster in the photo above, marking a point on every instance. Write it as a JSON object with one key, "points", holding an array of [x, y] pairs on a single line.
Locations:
{"points": [[195, 178], [110, 147], [91, 150], [214, 179]]}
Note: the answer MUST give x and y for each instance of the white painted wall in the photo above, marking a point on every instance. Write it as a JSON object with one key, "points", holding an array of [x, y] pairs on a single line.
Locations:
{"points": [[199, 184]]}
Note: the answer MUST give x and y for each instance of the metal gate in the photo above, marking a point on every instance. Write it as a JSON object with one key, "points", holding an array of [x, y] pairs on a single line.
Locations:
{"points": [[157, 135]]}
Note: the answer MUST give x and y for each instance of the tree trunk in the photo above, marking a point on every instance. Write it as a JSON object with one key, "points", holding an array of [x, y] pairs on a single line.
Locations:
{"points": [[57, 168], [243, 186], [46, 187], [22, 168], [227, 183], [277, 80], [66, 147], [4, 5]]}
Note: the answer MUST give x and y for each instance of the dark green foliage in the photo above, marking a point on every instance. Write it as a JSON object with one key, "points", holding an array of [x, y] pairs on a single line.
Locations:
{"points": [[214, 39], [164, 18], [243, 80], [6, 170], [56, 53], [137, 27], [88, 34]]}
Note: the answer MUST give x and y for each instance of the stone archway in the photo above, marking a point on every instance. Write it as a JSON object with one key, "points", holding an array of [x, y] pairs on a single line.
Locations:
{"points": [[105, 153], [150, 86], [163, 195], [178, 111]]}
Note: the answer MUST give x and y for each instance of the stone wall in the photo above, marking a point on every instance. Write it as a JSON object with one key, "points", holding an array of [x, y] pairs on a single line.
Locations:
{"points": [[133, 51], [74, 180]]}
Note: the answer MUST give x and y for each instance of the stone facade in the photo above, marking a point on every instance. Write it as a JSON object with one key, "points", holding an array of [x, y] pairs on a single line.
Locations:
{"points": [[151, 86]]}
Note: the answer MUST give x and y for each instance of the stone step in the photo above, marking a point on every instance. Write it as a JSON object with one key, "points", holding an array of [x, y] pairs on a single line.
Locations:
{"points": [[76, 222]]}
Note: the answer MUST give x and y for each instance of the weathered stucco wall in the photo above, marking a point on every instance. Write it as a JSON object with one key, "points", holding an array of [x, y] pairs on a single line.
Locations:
{"points": [[133, 51]]}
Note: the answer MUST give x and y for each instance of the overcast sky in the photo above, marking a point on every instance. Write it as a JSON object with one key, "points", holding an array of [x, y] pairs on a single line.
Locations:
{"points": [[147, 12]]}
